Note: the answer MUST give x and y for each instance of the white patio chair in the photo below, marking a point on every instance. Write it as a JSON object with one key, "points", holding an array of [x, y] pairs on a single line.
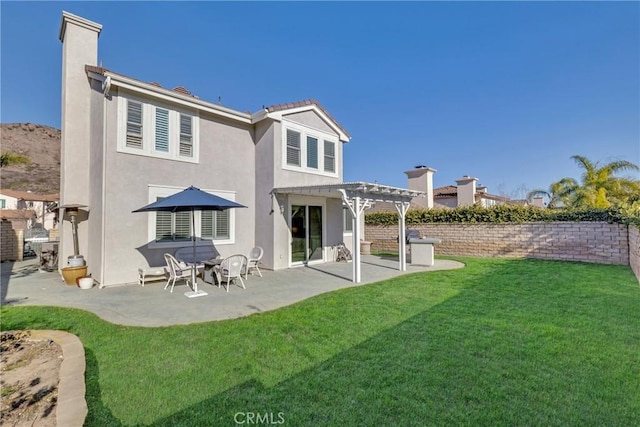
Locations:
{"points": [[231, 269], [253, 260], [177, 271]]}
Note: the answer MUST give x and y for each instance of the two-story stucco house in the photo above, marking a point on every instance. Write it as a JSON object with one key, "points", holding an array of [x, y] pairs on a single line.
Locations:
{"points": [[126, 143]]}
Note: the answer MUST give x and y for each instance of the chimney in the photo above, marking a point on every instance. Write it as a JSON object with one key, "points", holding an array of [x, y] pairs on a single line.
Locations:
{"points": [[466, 191], [79, 38], [421, 179]]}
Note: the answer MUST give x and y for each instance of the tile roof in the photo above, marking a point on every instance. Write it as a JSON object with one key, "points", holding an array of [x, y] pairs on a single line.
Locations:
{"points": [[17, 214], [29, 196], [183, 91], [446, 191], [101, 70], [305, 103]]}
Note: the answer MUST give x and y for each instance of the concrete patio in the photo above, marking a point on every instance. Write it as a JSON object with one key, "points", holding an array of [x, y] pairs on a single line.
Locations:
{"points": [[134, 305]]}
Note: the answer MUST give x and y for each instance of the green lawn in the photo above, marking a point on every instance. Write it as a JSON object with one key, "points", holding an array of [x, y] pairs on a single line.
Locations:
{"points": [[500, 342]]}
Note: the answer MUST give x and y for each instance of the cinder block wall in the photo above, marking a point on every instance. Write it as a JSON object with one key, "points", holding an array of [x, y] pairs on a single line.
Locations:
{"points": [[11, 242], [54, 234], [634, 249], [596, 242]]}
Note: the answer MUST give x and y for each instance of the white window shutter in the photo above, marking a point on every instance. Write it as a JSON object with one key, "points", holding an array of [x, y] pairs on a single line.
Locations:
{"points": [[329, 156], [222, 224], [182, 226], [162, 130], [312, 152], [186, 136], [293, 148], [134, 124], [206, 224], [163, 226]]}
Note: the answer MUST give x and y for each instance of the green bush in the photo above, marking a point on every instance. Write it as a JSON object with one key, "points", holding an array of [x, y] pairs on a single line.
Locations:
{"points": [[504, 214]]}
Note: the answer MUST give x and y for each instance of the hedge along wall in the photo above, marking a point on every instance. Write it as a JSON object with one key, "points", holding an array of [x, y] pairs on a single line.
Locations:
{"points": [[598, 242], [634, 249]]}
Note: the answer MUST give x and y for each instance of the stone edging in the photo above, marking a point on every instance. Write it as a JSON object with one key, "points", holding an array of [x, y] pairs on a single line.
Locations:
{"points": [[72, 406]]}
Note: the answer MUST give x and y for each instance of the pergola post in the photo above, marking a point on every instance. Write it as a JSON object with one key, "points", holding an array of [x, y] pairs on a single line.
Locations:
{"points": [[402, 242], [356, 205]]}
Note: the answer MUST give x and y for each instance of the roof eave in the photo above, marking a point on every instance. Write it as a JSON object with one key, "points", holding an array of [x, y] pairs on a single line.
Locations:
{"points": [[169, 95]]}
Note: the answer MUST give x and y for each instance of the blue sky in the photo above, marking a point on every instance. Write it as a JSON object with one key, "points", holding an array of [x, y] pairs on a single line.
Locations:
{"points": [[503, 91]]}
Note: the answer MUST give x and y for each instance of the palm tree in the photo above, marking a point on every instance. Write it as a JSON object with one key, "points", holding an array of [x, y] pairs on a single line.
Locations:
{"points": [[599, 187], [8, 158], [558, 193]]}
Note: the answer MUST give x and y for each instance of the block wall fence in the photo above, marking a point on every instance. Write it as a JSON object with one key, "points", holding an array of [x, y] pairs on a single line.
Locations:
{"points": [[597, 242], [11, 242], [634, 249]]}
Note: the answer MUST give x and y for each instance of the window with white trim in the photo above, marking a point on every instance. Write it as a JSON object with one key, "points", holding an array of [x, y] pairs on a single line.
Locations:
{"points": [[167, 229], [347, 220], [153, 129], [309, 150]]}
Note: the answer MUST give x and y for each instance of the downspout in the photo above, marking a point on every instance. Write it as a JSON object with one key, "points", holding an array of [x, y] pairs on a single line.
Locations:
{"points": [[106, 85]]}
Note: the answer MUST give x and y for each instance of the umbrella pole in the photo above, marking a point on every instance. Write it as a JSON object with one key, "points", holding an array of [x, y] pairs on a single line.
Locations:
{"points": [[193, 236], [194, 278]]}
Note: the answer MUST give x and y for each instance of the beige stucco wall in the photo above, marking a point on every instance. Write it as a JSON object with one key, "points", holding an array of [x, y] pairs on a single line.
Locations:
{"points": [[226, 163], [572, 241], [311, 120]]}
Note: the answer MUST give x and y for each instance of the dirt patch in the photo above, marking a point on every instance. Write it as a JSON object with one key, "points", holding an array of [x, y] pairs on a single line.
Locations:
{"points": [[29, 372]]}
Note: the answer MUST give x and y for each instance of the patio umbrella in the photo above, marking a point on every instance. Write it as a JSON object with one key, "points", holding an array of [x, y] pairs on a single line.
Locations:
{"points": [[190, 200]]}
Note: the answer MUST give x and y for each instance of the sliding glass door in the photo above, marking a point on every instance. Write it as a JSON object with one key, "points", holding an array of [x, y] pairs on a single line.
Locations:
{"points": [[306, 233]]}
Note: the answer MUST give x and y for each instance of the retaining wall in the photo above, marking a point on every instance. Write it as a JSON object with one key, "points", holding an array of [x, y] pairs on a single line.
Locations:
{"points": [[596, 242]]}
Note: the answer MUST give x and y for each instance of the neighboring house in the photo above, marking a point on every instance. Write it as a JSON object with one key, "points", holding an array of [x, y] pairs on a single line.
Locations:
{"points": [[39, 203], [126, 143], [21, 219], [466, 193]]}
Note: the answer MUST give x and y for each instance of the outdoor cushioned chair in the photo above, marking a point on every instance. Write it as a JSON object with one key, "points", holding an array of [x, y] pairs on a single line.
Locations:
{"points": [[177, 271], [253, 260], [231, 269]]}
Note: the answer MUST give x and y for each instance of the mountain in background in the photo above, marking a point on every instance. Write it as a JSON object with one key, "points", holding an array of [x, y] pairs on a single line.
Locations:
{"points": [[41, 144]]}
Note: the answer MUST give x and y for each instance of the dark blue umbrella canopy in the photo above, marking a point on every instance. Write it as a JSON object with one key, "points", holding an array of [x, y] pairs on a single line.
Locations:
{"points": [[190, 199]]}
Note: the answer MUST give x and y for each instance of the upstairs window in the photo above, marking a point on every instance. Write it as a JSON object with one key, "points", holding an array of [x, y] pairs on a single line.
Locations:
{"points": [[329, 156], [147, 128], [309, 150], [293, 148], [134, 124]]}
